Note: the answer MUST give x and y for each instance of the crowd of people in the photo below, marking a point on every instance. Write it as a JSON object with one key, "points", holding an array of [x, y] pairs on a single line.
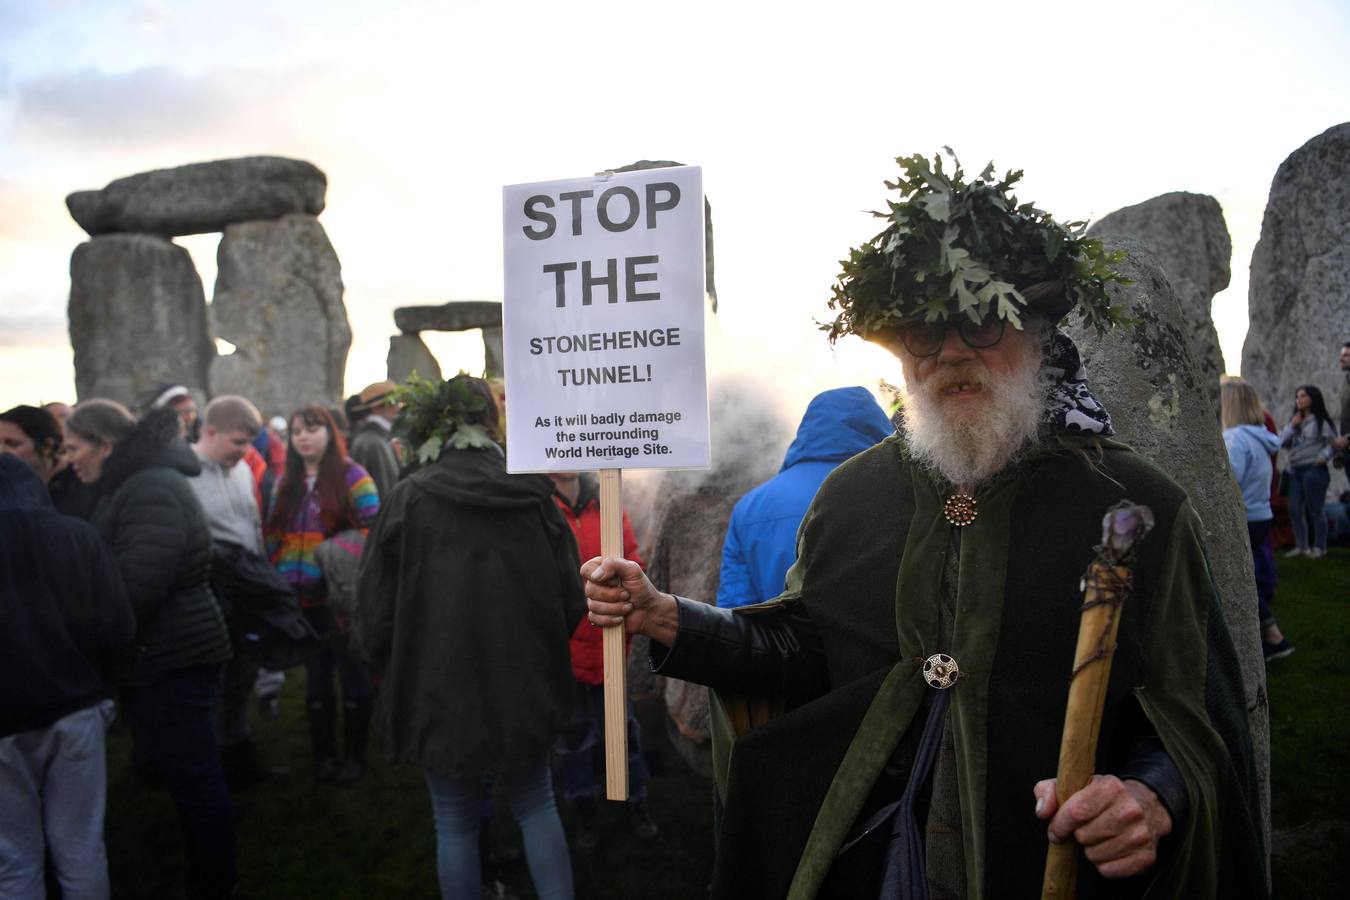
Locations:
{"points": [[889, 651], [164, 568]]}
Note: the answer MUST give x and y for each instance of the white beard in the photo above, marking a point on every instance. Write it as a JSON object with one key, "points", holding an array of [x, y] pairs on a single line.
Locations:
{"points": [[969, 441]]}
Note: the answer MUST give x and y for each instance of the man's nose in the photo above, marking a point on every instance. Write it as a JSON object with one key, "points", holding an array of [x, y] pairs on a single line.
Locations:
{"points": [[954, 349]]}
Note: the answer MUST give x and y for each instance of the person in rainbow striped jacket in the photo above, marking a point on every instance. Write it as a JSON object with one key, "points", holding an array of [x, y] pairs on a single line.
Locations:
{"points": [[322, 494]]}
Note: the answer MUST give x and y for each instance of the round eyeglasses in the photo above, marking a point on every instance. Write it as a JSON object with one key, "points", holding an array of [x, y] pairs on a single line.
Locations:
{"points": [[923, 339]]}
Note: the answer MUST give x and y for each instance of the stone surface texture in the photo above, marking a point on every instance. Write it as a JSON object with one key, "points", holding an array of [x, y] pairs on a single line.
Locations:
{"points": [[278, 299], [201, 197], [1298, 297], [137, 317], [460, 315], [1156, 393], [681, 518], [709, 285], [1189, 237], [408, 353]]}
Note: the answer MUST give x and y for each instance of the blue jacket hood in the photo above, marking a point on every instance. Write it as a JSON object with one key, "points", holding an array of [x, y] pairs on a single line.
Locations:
{"points": [[837, 424], [20, 488]]}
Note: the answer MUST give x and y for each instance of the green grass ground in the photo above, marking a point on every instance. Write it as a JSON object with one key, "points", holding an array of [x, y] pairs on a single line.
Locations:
{"points": [[302, 842], [1310, 730]]}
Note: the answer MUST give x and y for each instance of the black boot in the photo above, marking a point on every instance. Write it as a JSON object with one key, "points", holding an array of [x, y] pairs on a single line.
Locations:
{"points": [[321, 736], [587, 824], [355, 736], [243, 766]]}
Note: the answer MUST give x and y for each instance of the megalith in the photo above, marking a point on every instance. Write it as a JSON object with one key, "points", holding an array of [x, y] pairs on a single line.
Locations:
{"points": [[201, 197], [1157, 395], [709, 285], [1189, 237], [137, 317], [457, 315], [1298, 297], [278, 299], [686, 523], [408, 353]]}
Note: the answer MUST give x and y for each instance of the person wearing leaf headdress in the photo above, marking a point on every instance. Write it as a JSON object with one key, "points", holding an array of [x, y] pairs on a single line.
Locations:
{"points": [[466, 601], [957, 546]]}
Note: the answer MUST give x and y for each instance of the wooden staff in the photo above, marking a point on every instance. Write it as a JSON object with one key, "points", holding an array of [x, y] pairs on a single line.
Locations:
{"points": [[1105, 587], [616, 665]]}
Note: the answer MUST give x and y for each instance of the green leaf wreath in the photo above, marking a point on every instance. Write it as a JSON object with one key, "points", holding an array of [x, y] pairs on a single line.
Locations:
{"points": [[953, 248], [436, 416]]}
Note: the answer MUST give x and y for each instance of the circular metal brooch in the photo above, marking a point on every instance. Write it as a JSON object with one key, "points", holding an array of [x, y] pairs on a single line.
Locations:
{"points": [[959, 509], [940, 671]]}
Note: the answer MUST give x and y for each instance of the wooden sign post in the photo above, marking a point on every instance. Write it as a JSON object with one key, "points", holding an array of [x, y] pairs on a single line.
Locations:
{"points": [[616, 663]]}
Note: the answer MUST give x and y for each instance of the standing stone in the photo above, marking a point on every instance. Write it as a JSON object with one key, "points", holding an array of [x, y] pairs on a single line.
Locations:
{"points": [[687, 522], [1156, 394], [1298, 298], [1188, 235], [708, 283], [137, 317], [408, 353], [279, 301], [201, 197]]}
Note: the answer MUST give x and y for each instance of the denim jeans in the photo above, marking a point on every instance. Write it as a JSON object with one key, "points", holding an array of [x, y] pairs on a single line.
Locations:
{"points": [[173, 722], [1307, 500], [585, 741], [53, 787], [457, 803], [1263, 562]]}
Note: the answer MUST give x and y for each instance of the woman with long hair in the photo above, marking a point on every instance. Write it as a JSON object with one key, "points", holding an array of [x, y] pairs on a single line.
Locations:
{"points": [[169, 680], [1310, 439], [467, 597], [1250, 447], [322, 493]]}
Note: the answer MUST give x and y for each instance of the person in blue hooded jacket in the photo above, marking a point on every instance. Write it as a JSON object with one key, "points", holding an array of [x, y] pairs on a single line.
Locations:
{"points": [[1250, 448], [761, 541]]}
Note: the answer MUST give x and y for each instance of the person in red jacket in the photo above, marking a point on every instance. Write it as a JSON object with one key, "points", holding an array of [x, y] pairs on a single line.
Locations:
{"points": [[578, 498]]}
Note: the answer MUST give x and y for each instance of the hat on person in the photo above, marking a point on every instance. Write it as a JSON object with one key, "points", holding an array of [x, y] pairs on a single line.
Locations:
{"points": [[373, 395], [953, 249]]}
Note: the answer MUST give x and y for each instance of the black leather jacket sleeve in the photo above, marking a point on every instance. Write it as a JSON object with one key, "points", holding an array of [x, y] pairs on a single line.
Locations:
{"points": [[768, 651]]}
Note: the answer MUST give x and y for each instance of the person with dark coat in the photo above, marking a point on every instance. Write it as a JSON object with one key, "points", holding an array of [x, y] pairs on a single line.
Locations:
{"points": [[761, 540], [922, 650], [62, 611], [169, 680], [466, 598], [371, 443]]}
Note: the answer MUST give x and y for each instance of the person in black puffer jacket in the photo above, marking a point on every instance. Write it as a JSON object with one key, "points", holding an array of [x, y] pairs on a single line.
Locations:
{"points": [[169, 680]]}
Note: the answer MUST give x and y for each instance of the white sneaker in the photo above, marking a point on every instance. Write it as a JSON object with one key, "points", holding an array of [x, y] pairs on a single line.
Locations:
{"points": [[1315, 553], [1297, 551]]}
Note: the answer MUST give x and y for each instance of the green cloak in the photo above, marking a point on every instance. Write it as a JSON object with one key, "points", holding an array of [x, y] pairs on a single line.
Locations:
{"points": [[870, 556]]}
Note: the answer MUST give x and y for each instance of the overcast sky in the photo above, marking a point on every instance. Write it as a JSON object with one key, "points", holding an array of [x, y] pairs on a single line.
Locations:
{"points": [[420, 112]]}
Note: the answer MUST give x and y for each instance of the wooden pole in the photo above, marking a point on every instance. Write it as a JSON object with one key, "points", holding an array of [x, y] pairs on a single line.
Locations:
{"points": [[1105, 587], [616, 664]]}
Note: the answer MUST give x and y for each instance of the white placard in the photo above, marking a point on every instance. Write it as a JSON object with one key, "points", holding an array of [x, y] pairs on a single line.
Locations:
{"points": [[603, 323]]}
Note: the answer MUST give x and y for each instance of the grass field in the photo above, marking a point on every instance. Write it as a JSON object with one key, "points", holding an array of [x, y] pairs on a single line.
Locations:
{"points": [[302, 842]]}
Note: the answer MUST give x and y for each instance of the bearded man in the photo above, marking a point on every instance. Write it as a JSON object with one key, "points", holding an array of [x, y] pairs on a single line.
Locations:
{"points": [[966, 534]]}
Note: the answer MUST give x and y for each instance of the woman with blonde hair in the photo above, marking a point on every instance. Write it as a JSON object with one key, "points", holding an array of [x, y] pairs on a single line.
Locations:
{"points": [[1250, 447]]}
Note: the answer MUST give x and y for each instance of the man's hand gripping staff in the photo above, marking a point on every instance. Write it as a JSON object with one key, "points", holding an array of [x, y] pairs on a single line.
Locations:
{"points": [[1118, 823]]}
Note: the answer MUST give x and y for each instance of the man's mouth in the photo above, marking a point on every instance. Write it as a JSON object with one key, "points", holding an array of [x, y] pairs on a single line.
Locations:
{"points": [[962, 389]]}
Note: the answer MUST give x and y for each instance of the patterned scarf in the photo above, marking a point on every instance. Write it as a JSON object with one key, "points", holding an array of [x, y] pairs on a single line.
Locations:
{"points": [[1071, 405]]}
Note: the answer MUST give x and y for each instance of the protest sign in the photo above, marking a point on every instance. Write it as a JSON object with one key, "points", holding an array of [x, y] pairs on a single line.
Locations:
{"points": [[602, 338], [602, 323]]}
